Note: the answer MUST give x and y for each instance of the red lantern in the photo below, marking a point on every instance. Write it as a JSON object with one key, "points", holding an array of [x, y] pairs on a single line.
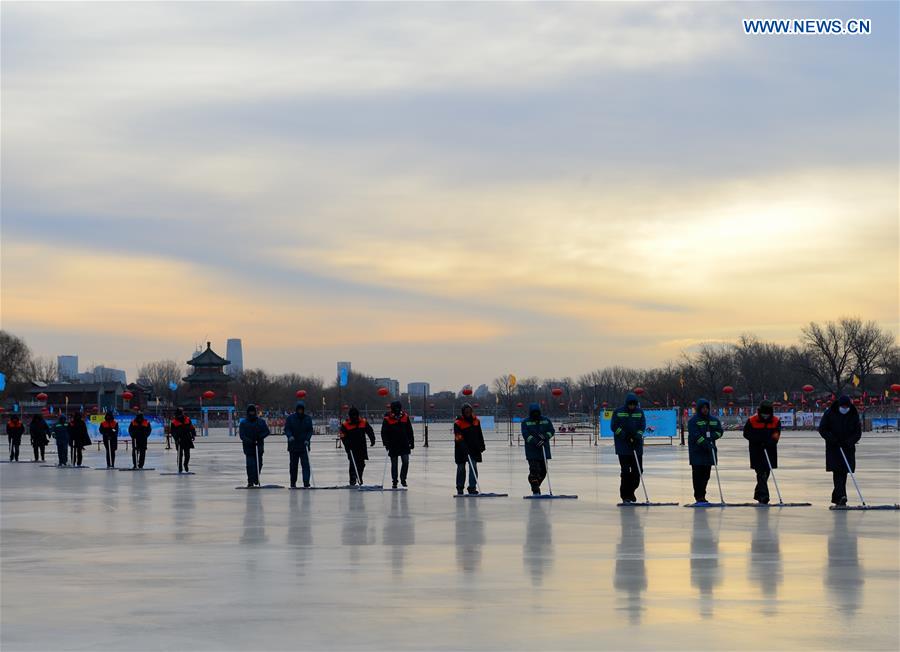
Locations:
{"points": [[45, 411], [467, 391], [520, 404], [476, 405], [208, 394], [639, 391], [94, 409], [2, 409], [856, 401], [895, 388], [604, 404], [807, 388], [383, 391], [556, 391], [301, 393], [41, 397], [656, 403], [728, 389], [431, 405], [730, 403], [127, 395]]}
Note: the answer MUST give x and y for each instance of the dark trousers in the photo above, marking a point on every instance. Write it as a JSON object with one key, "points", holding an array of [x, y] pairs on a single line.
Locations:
{"points": [[537, 471], [137, 457], [76, 455], [700, 477], [359, 466], [630, 476], [110, 454], [14, 449], [839, 495], [254, 465], [38, 451], [300, 457], [461, 475], [184, 458], [404, 467], [761, 493], [62, 451]]}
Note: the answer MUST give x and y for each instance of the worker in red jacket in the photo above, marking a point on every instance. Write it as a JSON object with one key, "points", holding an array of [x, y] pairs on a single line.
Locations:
{"points": [[14, 431], [763, 430], [183, 432], [109, 430], [354, 431]]}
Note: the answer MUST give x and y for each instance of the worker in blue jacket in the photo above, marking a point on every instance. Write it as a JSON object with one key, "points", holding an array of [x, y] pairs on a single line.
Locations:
{"points": [[61, 435], [253, 432], [628, 424], [537, 431], [298, 428], [703, 431]]}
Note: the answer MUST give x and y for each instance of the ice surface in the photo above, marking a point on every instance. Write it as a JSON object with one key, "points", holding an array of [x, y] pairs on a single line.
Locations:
{"points": [[116, 561]]}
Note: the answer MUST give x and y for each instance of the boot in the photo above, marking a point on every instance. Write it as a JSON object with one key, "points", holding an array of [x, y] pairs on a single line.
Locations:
{"points": [[250, 485], [535, 490], [403, 482], [473, 491], [459, 491], [394, 484]]}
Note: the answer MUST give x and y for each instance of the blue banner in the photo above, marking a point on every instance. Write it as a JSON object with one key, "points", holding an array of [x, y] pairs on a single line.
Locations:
{"points": [[660, 423], [157, 426]]}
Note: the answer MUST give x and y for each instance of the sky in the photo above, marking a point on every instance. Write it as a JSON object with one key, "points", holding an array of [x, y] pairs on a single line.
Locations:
{"points": [[441, 192]]}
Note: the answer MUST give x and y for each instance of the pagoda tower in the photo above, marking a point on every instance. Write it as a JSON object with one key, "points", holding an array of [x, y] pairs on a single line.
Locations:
{"points": [[208, 375]]}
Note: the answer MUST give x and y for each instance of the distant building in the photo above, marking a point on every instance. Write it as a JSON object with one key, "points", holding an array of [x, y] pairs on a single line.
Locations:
{"points": [[68, 367], [70, 397], [482, 391], [341, 366], [393, 386], [418, 389], [235, 353], [108, 374], [207, 375]]}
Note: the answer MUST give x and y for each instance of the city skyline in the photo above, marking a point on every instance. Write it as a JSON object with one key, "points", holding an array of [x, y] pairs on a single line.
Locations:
{"points": [[581, 185]]}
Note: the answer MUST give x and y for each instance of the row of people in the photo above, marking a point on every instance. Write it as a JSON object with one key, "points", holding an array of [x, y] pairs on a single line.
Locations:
{"points": [[70, 433], [839, 427]]}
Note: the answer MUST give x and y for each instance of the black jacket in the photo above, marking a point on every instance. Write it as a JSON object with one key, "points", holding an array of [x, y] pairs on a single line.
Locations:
{"points": [[840, 432], [469, 440], [15, 430], [140, 432], [78, 434], [397, 434], [763, 437], [39, 431], [110, 433], [353, 437], [183, 432]]}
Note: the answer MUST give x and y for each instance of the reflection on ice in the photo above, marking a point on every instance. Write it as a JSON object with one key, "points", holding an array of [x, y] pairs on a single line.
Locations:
{"points": [[469, 536], [399, 530], [844, 572], [538, 549], [765, 559], [631, 570], [705, 570]]}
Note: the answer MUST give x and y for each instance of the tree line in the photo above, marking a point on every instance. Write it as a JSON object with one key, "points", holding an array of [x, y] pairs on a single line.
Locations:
{"points": [[835, 357]]}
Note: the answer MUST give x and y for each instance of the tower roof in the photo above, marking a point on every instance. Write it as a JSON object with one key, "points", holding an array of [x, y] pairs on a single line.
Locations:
{"points": [[208, 358]]}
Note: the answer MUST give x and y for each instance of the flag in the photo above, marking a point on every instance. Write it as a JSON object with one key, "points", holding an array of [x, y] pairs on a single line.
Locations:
{"points": [[855, 380]]}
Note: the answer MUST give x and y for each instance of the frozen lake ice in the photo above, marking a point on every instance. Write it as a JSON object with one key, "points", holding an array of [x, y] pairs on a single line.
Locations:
{"points": [[96, 560]]}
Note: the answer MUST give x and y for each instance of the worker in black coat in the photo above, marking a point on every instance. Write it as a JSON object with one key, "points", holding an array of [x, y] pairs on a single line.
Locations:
{"points": [[354, 431], [14, 431], [109, 430], [253, 431], [763, 430], [841, 429], [78, 437], [468, 447], [139, 429], [398, 438], [40, 436]]}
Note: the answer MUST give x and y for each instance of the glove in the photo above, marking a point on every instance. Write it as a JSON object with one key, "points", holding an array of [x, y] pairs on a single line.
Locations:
{"points": [[775, 436]]}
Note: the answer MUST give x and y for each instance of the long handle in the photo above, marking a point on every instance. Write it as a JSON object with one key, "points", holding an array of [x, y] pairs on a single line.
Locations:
{"points": [[547, 468], [355, 468], [861, 499], [641, 475], [774, 479], [718, 481], [474, 472], [258, 465], [384, 473]]}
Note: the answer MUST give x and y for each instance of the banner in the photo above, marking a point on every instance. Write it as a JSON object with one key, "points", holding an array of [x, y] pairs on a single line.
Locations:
{"points": [[157, 426], [660, 423], [786, 418]]}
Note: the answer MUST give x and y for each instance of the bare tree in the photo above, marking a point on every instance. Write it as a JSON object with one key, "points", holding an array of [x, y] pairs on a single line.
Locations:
{"points": [[15, 358], [826, 354], [44, 370], [868, 345], [710, 369], [160, 374]]}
